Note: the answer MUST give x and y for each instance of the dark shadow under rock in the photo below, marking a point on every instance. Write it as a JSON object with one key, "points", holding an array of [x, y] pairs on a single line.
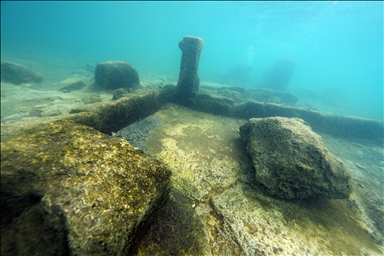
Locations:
{"points": [[176, 230], [137, 132]]}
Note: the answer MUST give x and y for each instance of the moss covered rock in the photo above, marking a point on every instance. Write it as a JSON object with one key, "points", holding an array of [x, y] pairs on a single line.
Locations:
{"points": [[19, 74], [272, 96], [83, 192], [291, 161], [176, 230], [113, 75], [211, 103]]}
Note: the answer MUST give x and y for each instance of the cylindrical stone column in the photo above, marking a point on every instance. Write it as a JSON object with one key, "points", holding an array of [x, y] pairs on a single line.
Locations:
{"points": [[189, 81]]}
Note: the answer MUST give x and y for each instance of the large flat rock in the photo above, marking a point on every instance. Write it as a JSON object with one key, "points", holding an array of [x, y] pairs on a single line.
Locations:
{"points": [[78, 190]]}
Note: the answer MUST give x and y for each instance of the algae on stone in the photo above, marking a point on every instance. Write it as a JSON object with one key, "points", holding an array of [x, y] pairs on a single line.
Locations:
{"points": [[92, 190], [211, 167], [176, 230], [291, 161], [211, 171]]}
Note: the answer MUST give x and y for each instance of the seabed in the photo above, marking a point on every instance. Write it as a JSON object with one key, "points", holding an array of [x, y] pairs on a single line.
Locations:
{"points": [[214, 206]]}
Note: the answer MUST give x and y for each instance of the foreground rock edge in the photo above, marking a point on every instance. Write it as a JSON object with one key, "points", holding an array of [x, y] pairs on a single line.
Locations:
{"points": [[92, 190]]}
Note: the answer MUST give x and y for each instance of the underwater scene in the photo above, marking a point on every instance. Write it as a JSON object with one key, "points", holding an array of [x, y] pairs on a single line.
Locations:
{"points": [[192, 128]]}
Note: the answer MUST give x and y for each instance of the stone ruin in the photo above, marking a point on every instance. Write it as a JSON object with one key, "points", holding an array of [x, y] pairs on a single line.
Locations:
{"points": [[188, 84], [291, 161], [66, 184], [113, 75]]}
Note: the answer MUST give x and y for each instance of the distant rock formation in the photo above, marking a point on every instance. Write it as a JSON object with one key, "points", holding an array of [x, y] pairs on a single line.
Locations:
{"points": [[239, 73], [113, 75], [291, 160], [279, 75], [19, 74]]}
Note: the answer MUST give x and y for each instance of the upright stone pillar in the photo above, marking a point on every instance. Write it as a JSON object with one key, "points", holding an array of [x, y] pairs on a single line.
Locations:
{"points": [[188, 83]]}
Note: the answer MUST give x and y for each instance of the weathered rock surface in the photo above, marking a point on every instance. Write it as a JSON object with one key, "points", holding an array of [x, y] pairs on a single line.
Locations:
{"points": [[189, 81], [249, 229], [234, 95], [291, 161], [211, 103], [370, 212], [19, 74], [78, 190], [214, 207], [137, 132], [339, 126], [91, 98], [176, 230], [113, 75], [119, 93], [272, 96]]}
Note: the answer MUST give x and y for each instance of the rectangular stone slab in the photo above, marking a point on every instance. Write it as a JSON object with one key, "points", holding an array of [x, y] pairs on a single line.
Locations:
{"points": [[87, 192]]}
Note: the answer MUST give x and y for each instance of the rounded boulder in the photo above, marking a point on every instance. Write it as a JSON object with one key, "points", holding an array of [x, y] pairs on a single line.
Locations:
{"points": [[113, 75], [291, 160]]}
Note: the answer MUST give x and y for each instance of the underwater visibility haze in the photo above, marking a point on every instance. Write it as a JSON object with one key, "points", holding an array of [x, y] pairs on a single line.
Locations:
{"points": [[192, 128], [337, 45]]}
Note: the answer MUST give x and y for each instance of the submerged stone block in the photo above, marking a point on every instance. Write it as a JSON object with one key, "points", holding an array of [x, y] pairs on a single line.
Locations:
{"points": [[83, 192], [176, 230], [346, 127], [119, 93], [271, 96], [291, 161], [19, 74], [188, 84], [211, 103], [113, 75]]}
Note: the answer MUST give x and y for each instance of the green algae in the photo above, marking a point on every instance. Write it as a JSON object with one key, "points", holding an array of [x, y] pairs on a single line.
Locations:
{"points": [[240, 216], [191, 144], [176, 230], [101, 187]]}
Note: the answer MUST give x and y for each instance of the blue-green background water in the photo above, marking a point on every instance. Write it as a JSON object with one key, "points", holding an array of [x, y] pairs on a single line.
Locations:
{"points": [[338, 46]]}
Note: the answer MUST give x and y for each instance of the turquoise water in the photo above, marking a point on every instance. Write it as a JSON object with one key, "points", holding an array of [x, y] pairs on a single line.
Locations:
{"points": [[337, 46]]}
